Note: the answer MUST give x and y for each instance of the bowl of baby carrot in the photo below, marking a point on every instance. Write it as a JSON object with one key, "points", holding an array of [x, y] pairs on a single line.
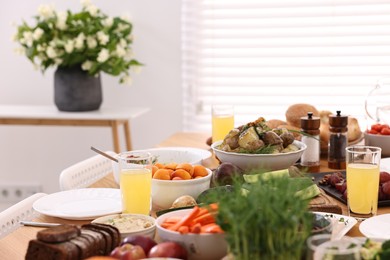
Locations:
{"points": [[196, 229]]}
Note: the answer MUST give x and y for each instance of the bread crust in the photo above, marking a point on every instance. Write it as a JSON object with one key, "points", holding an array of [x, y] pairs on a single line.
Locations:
{"points": [[111, 230], [296, 111], [274, 123], [58, 234], [107, 237], [60, 251], [73, 242]]}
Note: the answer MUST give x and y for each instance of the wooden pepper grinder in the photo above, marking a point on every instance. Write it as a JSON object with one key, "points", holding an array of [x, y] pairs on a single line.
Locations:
{"points": [[338, 141], [311, 156]]}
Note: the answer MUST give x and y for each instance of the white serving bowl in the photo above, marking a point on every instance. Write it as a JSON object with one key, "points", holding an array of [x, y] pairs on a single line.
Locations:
{"points": [[165, 192], [382, 141], [262, 161], [172, 155], [199, 246], [149, 231]]}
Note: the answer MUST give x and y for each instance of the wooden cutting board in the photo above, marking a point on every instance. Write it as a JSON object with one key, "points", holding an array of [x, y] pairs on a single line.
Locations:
{"points": [[323, 203]]}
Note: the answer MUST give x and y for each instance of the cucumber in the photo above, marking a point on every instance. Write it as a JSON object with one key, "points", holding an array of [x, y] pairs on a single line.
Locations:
{"points": [[252, 178], [308, 192]]}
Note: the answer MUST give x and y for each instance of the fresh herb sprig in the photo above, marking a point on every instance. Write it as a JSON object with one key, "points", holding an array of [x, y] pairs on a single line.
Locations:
{"points": [[267, 221]]}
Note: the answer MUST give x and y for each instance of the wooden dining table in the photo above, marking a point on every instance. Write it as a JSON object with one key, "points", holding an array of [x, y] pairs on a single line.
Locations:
{"points": [[14, 245]]}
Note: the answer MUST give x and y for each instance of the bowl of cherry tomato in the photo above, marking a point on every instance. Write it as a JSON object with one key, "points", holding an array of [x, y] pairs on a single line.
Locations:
{"points": [[379, 135]]}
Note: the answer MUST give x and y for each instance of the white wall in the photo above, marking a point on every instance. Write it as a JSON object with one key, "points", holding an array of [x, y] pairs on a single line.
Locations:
{"points": [[38, 154]]}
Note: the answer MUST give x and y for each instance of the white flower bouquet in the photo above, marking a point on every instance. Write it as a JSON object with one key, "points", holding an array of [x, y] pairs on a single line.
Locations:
{"points": [[89, 39]]}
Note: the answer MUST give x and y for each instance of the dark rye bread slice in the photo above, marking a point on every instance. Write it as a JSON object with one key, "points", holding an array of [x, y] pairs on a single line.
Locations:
{"points": [[99, 244], [106, 235], [113, 231], [84, 245], [59, 251], [58, 234]]}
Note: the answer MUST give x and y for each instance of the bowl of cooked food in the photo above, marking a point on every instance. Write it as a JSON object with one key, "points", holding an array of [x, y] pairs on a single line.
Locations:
{"points": [[130, 224], [256, 146]]}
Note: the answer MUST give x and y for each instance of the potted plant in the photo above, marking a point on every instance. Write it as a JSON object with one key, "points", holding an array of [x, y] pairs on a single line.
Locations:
{"points": [[79, 45]]}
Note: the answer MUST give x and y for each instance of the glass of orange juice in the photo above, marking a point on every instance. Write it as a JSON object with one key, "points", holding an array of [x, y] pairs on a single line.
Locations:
{"points": [[135, 181], [222, 121], [363, 167]]}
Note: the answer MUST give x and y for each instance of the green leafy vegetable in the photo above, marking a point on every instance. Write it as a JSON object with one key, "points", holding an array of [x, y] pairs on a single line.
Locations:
{"points": [[268, 221]]}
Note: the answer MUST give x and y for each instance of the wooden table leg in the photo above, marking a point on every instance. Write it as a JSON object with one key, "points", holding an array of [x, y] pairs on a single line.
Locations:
{"points": [[115, 136], [126, 126]]}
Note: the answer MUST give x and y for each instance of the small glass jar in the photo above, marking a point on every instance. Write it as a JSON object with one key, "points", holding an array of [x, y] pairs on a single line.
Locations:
{"points": [[338, 141], [311, 137]]}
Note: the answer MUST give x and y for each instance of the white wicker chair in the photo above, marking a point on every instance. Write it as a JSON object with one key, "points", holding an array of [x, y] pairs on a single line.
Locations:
{"points": [[85, 173], [23, 210]]}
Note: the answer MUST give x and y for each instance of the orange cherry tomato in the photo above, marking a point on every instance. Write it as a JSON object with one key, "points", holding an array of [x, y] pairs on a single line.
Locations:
{"points": [[385, 131], [377, 127], [373, 132]]}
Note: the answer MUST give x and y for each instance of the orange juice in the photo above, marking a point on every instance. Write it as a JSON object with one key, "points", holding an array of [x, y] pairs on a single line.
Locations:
{"points": [[136, 186], [221, 125], [362, 187]]}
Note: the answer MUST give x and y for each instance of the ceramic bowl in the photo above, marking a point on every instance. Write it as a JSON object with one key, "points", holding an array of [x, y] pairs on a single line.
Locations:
{"points": [[165, 192], [130, 224], [382, 141], [262, 161], [172, 154], [199, 246]]}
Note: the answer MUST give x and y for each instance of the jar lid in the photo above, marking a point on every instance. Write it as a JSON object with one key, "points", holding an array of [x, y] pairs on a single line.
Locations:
{"points": [[310, 122], [338, 120]]}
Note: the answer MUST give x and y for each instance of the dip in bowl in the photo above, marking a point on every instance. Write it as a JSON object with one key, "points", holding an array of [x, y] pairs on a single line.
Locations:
{"points": [[130, 224]]}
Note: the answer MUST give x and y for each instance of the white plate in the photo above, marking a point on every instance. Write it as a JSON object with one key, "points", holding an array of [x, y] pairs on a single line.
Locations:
{"points": [[377, 227], [80, 204], [342, 224]]}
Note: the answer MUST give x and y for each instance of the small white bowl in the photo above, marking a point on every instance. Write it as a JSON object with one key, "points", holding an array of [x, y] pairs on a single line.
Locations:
{"points": [[272, 162], [382, 141], [149, 231], [165, 192], [172, 155], [198, 246]]}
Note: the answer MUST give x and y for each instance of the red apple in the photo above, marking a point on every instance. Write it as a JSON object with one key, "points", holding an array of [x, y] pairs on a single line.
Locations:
{"points": [[144, 241], [135, 253], [128, 252], [168, 249], [120, 250]]}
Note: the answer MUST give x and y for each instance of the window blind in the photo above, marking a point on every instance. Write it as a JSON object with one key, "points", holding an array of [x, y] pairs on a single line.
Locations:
{"points": [[262, 56]]}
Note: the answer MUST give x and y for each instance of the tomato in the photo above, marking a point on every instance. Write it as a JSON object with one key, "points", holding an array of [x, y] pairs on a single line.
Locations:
{"points": [[376, 127], [385, 131], [382, 129], [373, 132]]}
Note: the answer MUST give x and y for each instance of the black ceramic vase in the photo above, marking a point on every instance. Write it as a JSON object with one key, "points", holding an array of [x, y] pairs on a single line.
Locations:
{"points": [[75, 90]]}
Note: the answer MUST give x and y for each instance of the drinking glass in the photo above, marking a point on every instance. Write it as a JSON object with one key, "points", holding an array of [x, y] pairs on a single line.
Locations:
{"points": [[135, 182], [222, 121], [315, 241], [363, 180], [346, 248]]}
